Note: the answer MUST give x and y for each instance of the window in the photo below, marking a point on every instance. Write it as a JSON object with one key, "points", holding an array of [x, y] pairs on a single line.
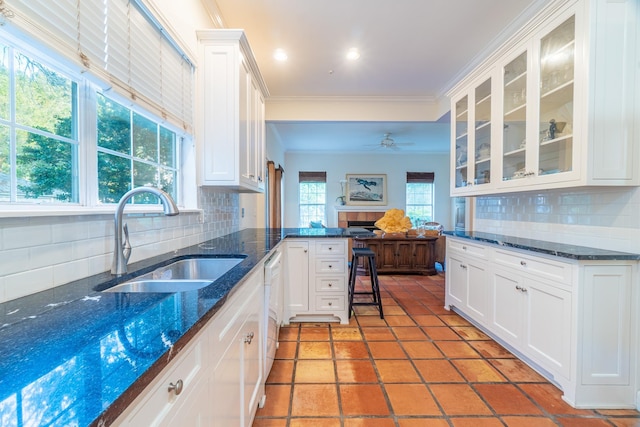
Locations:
{"points": [[419, 196], [313, 196], [92, 103], [38, 131], [133, 150]]}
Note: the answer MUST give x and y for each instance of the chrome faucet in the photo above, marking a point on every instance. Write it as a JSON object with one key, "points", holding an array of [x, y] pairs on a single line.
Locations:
{"points": [[122, 250]]}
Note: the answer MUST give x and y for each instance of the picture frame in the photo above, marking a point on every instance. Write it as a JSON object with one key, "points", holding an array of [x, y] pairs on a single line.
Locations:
{"points": [[366, 189]]}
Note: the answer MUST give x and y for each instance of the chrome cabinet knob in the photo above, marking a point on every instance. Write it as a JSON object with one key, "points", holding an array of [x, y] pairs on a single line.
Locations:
{"points": [[176, 388]]}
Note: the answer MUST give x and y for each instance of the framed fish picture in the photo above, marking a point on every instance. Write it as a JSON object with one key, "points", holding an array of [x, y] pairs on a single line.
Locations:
{"points": [[366, 189]]}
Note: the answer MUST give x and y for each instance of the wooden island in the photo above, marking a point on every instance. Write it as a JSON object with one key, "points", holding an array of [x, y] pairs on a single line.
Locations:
{"points": [[400, 254]]}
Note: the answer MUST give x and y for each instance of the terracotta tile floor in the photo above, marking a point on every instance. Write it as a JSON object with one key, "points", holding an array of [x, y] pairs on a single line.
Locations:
{"points": [[420, 366]]}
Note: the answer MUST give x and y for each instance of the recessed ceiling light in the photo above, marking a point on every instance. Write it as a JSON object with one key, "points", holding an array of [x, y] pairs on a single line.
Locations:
{"points": [[353, 54], [280, 55]]}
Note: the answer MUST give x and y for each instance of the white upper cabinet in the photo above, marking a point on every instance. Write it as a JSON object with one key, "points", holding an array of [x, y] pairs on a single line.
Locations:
{"points": [[562, 104], [474, 136], [231, 119]]}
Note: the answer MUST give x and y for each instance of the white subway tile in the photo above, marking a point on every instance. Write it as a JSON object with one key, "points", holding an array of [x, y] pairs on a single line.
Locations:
{"points": [[28, 282], [13, 261]]}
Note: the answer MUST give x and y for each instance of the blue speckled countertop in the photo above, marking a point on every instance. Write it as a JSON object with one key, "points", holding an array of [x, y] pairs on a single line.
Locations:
{"points": [[548, 248], [73, 355]]}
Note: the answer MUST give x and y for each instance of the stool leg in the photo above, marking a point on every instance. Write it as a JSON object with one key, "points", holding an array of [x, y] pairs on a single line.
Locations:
{"points": [[352, 282], [375, 285]]}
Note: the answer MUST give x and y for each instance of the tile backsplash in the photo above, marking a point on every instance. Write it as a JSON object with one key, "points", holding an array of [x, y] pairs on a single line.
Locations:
{"points": [[607, 218], [38, 253]]}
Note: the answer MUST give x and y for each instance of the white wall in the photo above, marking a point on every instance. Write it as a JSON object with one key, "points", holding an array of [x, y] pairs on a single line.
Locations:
{"points": [[395, 165]]}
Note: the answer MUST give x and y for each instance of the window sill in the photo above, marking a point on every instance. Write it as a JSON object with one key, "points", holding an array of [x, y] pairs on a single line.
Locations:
{"points": [[25, 211]]}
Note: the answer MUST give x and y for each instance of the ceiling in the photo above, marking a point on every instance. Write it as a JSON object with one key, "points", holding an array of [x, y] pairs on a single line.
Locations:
{"points": [[410, 49]]}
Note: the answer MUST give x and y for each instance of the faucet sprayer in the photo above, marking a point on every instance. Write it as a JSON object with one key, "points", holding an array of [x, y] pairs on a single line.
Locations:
{"points": [[122, 250]]}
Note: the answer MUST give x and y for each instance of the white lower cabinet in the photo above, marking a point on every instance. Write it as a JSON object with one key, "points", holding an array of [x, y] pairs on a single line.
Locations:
{"points": [[176, 392], [535, 317], [238, 381], [316, 280], [217, 378], [573, 321], [467, 280]]}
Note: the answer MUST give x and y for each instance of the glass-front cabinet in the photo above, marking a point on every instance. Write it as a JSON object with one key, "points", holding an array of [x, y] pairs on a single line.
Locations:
{"points": [[563, 112], [473, 138], [555, 129], [461, 132], [514, 118], [482, 134]]}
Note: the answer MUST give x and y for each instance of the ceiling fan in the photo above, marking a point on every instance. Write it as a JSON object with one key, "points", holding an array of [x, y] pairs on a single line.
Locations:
{"points": [[388, 142]]}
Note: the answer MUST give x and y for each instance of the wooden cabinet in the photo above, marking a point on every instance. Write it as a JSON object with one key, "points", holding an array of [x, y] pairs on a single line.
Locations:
{"points": [[231, 125], [316, 281], [562, 104], [573, 321], [403, 254]]}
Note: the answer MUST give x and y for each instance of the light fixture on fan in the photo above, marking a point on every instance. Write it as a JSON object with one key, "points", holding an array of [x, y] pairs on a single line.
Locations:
{"points": [[387, 142], [390, 143]]}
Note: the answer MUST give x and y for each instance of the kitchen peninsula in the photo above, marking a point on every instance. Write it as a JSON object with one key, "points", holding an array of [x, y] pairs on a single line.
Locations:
{"points": [[84, 356]]}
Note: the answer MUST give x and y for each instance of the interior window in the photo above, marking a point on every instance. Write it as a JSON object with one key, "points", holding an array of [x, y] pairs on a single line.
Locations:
{"points": [[312, 198], [419, 198]]}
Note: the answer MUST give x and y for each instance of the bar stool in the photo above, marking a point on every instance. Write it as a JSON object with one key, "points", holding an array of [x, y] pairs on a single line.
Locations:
{"points": [[364, 254]]}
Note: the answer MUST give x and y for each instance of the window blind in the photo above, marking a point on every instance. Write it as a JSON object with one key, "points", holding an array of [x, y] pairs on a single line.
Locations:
{"points": [[312, 177], [420, 177], [120, 43]]}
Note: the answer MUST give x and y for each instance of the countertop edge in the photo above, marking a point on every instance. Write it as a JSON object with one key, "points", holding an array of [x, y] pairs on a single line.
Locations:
{"points": [[561, 250]]}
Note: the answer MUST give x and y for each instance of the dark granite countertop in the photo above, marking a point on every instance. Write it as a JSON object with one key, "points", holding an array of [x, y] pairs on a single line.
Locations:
{"points": [[73, 355], [562, 250]]}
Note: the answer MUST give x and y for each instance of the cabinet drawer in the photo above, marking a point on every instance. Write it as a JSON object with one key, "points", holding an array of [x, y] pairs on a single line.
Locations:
{"points": [[542, 267], [159, 401], [330, 248], [467, 248], [330, 303], [330, 265], [330, 284]]}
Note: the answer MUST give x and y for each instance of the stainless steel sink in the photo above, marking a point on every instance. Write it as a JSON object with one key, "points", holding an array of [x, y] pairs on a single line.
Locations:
{"points": [[184, 275], [160, 286], [195, 269]]}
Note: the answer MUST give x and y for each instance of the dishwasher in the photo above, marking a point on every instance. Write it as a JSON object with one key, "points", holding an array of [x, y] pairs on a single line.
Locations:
{"points": [[274, 307]]}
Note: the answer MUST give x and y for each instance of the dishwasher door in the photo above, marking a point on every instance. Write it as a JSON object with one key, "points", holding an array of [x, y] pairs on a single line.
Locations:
{"points": [[274, 306]]}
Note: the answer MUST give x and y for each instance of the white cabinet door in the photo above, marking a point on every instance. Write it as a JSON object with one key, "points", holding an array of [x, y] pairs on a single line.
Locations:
{"points": [[507, 303], [457, 281], [477, 290], [297, 278], [548, 335], [237, 379], [244, 123], [252, 364], [534, 317]]}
